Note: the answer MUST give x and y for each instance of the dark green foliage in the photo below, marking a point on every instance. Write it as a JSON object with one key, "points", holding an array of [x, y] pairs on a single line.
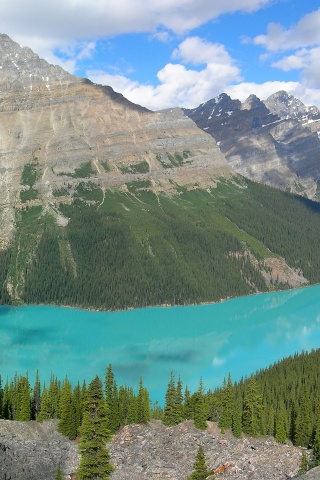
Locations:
{"points": [[141, 249], [173, 410], [303, 468], [200, 470], [303, 422], [141, 167], [94, 432], [84, 171], [29, 175], [200, 408], [237, 419], [59, 474], [112, 399], [252, 409], [225, 420], [36, 398], [30, 194], [68, 422]]}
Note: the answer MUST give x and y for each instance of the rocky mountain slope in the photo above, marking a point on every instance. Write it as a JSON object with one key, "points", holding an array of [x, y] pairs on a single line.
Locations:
{"points": [[31, 450], [56, 128], [275, 142]]}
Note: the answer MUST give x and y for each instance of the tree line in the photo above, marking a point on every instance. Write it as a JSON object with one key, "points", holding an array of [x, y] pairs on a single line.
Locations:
{"points": [[282, 401]]}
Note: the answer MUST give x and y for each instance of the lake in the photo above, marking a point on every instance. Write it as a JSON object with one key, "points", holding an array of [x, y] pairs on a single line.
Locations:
{"points": [[237, 336]]}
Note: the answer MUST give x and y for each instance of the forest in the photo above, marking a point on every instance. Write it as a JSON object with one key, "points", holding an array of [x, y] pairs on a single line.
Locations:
{"points": [[282, 401], [137, 248]]}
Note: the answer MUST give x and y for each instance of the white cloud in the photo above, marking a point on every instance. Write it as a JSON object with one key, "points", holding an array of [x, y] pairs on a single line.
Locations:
{"points": [[302, 41], [64, 21], [197, 51], [178, 85], [305, 33], [309, 96]]}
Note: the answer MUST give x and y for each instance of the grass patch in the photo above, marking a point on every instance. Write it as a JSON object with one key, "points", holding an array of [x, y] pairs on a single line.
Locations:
{"points": [[142, 167], [30, 194]]}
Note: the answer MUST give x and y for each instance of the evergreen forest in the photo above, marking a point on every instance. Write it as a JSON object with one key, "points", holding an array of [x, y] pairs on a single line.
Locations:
{"points": [[282, 401], [135, 248]]}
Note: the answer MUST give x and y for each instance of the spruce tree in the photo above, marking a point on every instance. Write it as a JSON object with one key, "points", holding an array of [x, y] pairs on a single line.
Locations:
{"points": [[200, 408], [303, 425], [143, 404], [225, 420], [94, 463], [59, 474], [112, 398], [281, 423], [237, 419], [173, 411], [252, 409], [36, 398], [67, 423], [200, 470]]}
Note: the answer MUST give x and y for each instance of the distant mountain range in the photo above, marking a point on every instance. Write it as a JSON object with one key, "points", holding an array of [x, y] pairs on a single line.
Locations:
{"points": [[106, 204], [275, 141]]}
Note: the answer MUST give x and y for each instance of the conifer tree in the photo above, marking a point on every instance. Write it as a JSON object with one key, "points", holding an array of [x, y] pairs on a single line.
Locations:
{"points": [[112, 398], [252, 409], [303, 424], [200, 408], [94, 463], [22, 404], [67, 424], [36, 398], [77, 406], [7, 402], [225, 420], [187, 404], [281, 423], [143, 404], [237, 419], [172, 414], [200, 470], [303, 468], [45, 407]]}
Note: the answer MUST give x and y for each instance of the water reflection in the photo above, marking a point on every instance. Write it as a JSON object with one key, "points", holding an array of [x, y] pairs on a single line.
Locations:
{"points": [[208, 341]]}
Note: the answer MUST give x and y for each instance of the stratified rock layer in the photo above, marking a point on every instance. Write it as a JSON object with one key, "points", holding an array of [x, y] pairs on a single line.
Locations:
{"points": [[275, 142], [57, 123]]}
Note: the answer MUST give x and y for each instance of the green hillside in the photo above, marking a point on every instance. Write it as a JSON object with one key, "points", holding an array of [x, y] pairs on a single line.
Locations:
{"points": [[133, 247]]}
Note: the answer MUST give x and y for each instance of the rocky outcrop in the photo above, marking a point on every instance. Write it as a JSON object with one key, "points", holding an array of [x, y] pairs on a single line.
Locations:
{"points": [[155, 451], [275, 142], [31, 450]]}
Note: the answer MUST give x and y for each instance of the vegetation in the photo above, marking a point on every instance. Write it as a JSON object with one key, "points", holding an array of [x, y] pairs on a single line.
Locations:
{"points": [[140, 248], [141, 167], [200, 471], [282, 400]]}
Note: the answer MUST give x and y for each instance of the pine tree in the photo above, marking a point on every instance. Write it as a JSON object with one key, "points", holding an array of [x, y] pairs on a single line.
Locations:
{"points": [[281, 423], [252, 409], [303, 468], [237, 419], [200, 408], [143, 404], [67, 424], [303, 424], [36, 398], [200, 470], [22, 405], [173, 412], [112, 398], [187, 404], [94, 464], [225, 420]]}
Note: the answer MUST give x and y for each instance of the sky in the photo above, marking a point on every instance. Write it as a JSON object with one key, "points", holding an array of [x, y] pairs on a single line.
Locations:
{"points": [[168, 53]]}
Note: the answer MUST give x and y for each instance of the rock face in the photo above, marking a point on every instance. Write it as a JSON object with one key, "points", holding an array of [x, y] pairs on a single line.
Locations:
{"points": [[275, 142], [31, 450], [65, 128], [155, 451]]}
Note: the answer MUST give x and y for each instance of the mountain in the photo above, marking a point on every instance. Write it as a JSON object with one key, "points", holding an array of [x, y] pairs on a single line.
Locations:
{"points": [[275, 142], [56, 128], [105, 204]]}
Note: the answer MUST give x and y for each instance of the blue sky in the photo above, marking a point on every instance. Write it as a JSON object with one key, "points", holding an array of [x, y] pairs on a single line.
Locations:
{"points": [[167, 53]]}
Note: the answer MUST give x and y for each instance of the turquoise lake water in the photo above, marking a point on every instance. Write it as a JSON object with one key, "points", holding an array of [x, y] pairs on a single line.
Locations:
{"points": [[237, 336]]}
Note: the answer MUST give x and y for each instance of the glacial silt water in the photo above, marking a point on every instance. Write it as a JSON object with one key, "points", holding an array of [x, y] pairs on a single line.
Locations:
{"points": [[237, 336]]}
